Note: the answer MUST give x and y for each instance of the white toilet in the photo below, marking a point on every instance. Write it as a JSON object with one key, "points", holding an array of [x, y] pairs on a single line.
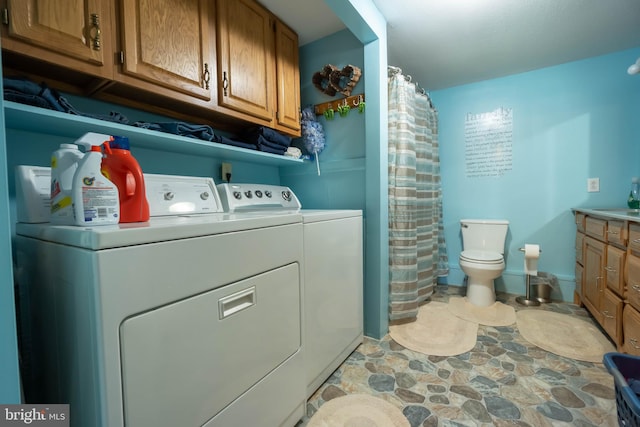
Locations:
{"points": [[482, 257]]}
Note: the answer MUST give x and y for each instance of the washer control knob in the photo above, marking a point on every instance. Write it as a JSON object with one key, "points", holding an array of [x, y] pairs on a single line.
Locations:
{"points": [[286, 195], [237, 195], [258, 193], [268, 193], [204, 195], [169, 195], [249, 194]]}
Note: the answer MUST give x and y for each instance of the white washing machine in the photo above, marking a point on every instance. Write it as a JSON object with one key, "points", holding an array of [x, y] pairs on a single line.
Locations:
{"points": [[333, 274], [192, 318]]}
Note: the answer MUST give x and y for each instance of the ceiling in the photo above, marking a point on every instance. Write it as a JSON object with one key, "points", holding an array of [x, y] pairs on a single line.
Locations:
{"points": [[444, 43]]}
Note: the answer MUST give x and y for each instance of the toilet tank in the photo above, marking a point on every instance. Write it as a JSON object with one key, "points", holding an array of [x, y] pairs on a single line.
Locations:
{"points": [[484, 234]]}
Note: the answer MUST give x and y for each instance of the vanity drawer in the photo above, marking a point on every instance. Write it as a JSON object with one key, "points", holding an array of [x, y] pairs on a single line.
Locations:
{"points": [[579, 245], [580, 217], [616, 232], [596, 228], [634, 237]]}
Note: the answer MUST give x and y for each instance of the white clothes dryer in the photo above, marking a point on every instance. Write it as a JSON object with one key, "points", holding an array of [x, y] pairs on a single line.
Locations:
{"points": [[333, 274]]}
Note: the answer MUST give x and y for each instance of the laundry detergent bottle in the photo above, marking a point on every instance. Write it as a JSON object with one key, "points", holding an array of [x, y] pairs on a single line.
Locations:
{"points": [[64, 162], [123, 170], [95, 197]]}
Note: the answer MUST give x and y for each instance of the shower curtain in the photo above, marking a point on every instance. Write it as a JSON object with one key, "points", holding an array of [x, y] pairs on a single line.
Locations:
{"points": [[417, 250]]}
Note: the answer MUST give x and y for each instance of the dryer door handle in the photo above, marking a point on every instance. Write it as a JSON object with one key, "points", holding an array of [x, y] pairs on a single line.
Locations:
{"points": [[236, 302]]}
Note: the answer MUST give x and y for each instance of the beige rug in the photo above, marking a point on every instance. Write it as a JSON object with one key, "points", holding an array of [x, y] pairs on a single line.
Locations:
{"points": [[358, 410], [497, 314], [436, 332], [564, 335]]}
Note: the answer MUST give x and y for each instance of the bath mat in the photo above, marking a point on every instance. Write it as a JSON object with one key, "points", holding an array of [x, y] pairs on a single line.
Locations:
{"points": [[436, 332], [564, 335], [497, 314], [358, 410]]}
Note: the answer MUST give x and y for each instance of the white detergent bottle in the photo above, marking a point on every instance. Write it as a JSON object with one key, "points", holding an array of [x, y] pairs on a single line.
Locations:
{"points": [[64, 162], [95, 198]]}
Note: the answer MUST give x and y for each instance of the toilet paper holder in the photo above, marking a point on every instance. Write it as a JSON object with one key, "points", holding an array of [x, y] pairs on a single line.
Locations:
{"points": [[526, 300]]}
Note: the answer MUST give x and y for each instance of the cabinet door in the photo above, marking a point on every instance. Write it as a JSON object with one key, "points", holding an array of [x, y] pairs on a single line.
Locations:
{"points": [[631, 330], [288, 78], [76, 33], [615, 269], [612, 316], [166, 42], [246, 68], [594, 280], [632, 276]]}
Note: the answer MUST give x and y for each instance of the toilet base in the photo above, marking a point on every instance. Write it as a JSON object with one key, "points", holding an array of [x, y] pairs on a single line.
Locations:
{"points": [[481, 293]]}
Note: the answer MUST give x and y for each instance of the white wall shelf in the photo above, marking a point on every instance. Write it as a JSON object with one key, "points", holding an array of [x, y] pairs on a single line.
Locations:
{"points": [[40, 120]]}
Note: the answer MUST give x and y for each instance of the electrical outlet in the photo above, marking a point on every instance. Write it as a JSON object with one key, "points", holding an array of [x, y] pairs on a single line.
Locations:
{"points": [[593, 185], [226, 171]]}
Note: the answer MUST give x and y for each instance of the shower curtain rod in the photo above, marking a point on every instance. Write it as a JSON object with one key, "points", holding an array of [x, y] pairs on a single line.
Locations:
{"points": [[392, 71]]}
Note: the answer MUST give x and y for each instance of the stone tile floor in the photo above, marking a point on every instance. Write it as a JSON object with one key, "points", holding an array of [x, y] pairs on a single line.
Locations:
{"points": [[503, 381]]}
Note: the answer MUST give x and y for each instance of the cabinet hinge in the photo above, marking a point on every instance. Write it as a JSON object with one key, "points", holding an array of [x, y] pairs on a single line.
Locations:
{"points": [[5, 16], [121, 57]]}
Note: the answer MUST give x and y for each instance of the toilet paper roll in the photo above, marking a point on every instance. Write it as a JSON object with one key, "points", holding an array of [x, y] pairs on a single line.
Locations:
{"points": [[531, 255]]}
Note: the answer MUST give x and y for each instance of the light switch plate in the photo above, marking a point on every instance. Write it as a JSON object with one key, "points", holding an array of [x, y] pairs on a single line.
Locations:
{"points": [[593, 185]]}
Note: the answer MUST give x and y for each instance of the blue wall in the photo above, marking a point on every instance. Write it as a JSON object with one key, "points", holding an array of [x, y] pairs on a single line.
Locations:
{"points": [[9, 375], [570, 122], [341, 181], [354, 164]]}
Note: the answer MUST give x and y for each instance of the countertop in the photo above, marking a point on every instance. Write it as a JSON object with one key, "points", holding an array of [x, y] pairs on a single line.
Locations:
{"points": [[625, 214]]}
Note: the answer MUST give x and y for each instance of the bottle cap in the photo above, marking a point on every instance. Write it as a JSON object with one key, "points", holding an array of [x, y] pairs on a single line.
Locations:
{"points": [[635, 180], [120, 142]]}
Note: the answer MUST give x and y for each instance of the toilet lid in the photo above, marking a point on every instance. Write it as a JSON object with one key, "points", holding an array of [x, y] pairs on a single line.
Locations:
{"points": [[486, 257]]}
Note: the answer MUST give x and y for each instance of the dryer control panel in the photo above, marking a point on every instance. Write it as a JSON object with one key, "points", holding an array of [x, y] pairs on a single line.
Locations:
{"points": [[243, 197]]}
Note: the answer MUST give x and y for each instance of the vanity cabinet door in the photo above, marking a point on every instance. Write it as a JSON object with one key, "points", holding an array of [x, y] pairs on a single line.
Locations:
{"points": [[615, 269], [594, 279], [631, 327], [612, 315], [632, 277], [75, 33]]}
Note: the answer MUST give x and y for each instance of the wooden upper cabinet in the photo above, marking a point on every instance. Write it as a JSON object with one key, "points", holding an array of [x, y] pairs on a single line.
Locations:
{"points": [[288, 78], [246, 66], [167, 42], [78, 33]]}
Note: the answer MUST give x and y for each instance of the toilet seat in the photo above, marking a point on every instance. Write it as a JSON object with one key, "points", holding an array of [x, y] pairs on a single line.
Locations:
{"points": [[482, 257]]}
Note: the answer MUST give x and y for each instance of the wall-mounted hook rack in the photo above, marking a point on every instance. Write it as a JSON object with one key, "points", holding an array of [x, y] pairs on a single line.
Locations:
{"points": [[353, 101]]}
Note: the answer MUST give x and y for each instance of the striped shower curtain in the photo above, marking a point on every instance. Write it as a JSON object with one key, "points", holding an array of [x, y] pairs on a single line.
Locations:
{"points": [[417, 251]]}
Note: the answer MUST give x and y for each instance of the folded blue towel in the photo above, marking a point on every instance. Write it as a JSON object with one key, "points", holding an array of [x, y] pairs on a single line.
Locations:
{"points": [[262, 141], [267, 133], [237, 143], [25, 91], [266, 149], [181, 128]]}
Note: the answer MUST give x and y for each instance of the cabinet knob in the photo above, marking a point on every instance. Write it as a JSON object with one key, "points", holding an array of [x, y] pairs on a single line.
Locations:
{"points": [[607, 315], [206, 76], [95, 32], [634, 342]]}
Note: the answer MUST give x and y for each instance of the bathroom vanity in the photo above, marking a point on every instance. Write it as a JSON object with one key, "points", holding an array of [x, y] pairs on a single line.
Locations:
{"points": [[608, 272]]}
